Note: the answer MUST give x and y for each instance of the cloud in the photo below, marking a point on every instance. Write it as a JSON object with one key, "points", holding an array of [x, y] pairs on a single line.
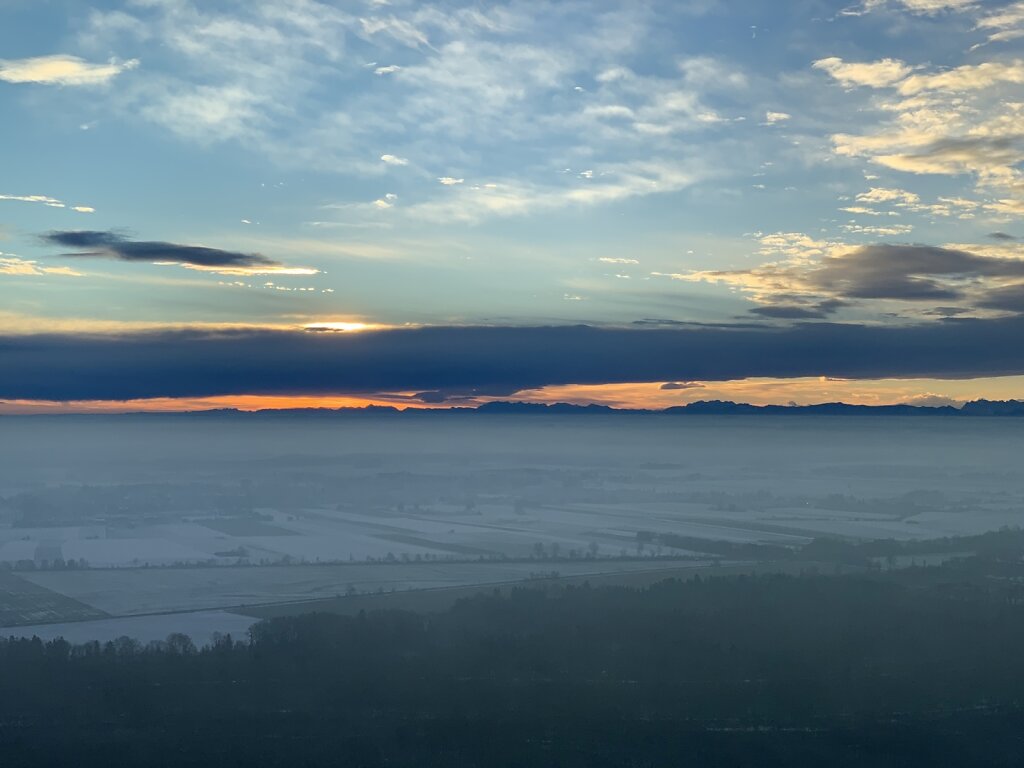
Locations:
{"points": [[467, 397], [970, 77], [449, 181], [207, 113], [931, 400], [964, 120], [433, 397], [1005, 24], [936, 6], [906, 272], [862, 210], [771, 118], [883, 195], [61, 70], [920, 7], [1008, 207], [393, 160], [401, 30], [1003, 236], [51, 202], [909, 202], [890, 230], [110, 245], [817, 311], [44, 199], [466, 359], [239, 74], [817, 272], [515, 198], [1008, 299], [476, 87], [874, 74], [672, 386], [15, 266]]}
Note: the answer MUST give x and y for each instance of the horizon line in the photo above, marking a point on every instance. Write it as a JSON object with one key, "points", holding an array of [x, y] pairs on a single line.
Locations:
{"points": [[978, 407]]}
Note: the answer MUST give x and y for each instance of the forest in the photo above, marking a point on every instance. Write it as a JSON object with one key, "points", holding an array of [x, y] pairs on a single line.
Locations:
{"points": [[912, 667]]}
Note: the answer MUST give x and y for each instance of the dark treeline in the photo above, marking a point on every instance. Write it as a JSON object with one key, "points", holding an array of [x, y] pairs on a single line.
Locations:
{"points": [[909, 668], [993, 546]]}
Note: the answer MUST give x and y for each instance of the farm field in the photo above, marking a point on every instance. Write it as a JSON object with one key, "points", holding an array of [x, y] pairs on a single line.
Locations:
{"points": [[127, 592], [22, 602]]}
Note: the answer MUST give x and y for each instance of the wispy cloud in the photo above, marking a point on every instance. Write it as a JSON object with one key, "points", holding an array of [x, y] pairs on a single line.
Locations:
{"points": [[50, 202], [497, 79], [509, 197], [15, 266], [402, 30], [923, 7], [62, 70], [1005, 24]]}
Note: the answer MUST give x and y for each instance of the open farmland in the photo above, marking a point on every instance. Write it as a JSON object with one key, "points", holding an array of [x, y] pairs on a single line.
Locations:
{"points": [[221, 513], [22, 602]]}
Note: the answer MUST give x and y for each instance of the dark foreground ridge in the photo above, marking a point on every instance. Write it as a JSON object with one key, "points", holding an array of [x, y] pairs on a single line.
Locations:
{"points": [[975, 408], [916, 667]]}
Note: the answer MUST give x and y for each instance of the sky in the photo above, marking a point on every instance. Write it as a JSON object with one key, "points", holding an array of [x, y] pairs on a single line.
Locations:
{"points": [[277, 203]]}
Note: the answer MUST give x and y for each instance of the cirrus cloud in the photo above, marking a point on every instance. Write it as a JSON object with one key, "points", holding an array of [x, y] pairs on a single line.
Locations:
{"points": [[62, 70]]}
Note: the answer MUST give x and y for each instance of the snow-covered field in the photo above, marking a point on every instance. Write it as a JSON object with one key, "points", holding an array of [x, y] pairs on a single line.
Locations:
{"points": [[405, 503], [606, 530]]}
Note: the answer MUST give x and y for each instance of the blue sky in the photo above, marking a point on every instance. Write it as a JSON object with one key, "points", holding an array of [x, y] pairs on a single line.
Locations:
{"points": [[511, 163]]}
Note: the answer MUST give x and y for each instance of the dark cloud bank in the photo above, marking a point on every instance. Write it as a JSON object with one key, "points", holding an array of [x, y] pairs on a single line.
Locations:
{"points": [[908, 272], [492, 359], [110, 245], [919, 274]]}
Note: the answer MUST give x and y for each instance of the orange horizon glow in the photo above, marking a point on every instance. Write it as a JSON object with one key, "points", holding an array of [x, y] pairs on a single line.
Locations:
{"points": [[652, 395], [174, 404]]}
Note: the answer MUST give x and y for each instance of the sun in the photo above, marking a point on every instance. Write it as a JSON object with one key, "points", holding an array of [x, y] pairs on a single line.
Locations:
{"points": [[343, 327]]}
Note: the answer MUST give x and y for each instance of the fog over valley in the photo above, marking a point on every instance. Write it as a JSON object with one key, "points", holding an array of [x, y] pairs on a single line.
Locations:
{"points": [[215, 517]]}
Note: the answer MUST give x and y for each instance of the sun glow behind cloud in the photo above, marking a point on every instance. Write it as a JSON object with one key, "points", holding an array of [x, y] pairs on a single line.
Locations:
{"points": [[344, 326]]}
